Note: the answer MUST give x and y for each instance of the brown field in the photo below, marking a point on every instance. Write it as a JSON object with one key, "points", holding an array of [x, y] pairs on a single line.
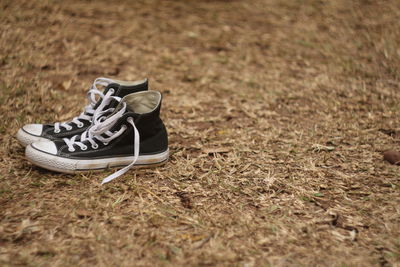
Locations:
{"points": [[278, 113]]}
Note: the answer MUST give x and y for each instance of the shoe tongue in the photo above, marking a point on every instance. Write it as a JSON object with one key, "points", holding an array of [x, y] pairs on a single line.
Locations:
{"points": [[111, 85], [108, 87], [120, 106]]}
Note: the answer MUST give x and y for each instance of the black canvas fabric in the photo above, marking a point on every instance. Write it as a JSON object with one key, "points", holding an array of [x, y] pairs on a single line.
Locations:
{"points": [[120, 91], [152, 132]]}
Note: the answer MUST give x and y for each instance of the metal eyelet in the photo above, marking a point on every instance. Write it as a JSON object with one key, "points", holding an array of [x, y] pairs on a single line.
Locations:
{"points": [[112, 91], [105, 144], [57, 131], [71, 149], [80, 125], [84, 147], [69, 128], [95, 146]]}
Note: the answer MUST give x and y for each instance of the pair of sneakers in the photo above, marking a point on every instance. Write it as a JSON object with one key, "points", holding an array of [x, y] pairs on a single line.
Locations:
{"points": [[120, 126]]}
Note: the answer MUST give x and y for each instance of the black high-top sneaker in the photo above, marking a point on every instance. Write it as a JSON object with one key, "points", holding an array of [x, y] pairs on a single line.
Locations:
{"points": [[132, 135], [39, 132]]}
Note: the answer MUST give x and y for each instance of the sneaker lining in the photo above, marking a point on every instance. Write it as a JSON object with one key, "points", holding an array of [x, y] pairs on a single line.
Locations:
{"points": [[143, 102]]}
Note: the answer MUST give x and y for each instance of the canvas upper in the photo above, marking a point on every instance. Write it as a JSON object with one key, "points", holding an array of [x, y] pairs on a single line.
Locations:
{"points": [[36, 132]]}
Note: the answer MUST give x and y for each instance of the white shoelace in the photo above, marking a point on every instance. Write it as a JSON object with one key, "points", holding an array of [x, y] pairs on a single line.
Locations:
{"points": [[101, 127], [89, 110]]}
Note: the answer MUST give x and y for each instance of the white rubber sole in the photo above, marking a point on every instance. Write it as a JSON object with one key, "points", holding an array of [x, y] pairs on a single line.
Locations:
{"points": [[65, 165], [26, 139]]}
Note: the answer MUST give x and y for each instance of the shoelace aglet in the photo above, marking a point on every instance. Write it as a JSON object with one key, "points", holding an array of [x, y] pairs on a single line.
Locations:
{"points": [[105, 180]]}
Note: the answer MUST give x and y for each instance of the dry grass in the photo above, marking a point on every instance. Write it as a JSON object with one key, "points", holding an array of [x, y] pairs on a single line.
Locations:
{"points": [[278, 112]]}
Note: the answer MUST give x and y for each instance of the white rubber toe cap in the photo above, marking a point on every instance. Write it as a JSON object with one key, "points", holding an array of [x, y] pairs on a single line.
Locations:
{"points": [[34, 129], [26, 138], [46, 146]]}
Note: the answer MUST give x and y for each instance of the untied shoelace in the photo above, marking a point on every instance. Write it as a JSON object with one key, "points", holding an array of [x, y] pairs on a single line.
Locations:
{"points": [[101, 127]]}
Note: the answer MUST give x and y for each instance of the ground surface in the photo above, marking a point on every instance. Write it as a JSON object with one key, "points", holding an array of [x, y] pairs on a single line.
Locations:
{"points": [[278, 112]]}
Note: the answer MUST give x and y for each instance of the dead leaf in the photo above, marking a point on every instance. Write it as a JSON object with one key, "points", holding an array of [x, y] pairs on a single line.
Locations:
{"points": [[66, 84]]}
